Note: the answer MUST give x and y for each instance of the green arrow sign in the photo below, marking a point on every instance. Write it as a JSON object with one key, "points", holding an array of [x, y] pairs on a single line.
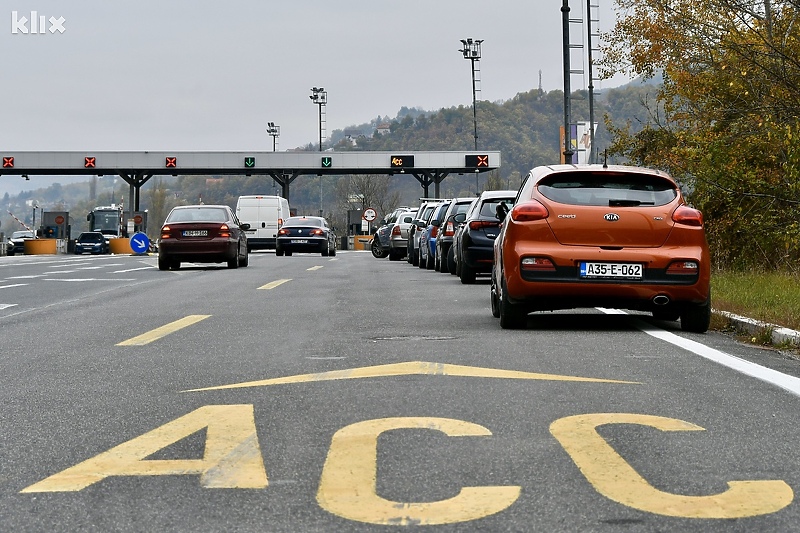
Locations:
{"points": [[249, 162], [327, 162]]}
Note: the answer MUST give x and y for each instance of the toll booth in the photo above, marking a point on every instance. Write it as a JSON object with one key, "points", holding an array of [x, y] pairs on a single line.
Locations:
{"points": [[135, 222], [55, 225]]}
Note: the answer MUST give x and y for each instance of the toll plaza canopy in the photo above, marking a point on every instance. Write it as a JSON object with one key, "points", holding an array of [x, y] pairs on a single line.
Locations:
{"points": [[137, 167]]}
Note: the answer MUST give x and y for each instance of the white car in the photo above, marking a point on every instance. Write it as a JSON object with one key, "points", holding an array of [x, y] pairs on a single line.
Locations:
{"points": [[16, 244]]}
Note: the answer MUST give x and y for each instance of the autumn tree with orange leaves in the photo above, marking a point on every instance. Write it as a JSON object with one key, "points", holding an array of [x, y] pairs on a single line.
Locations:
{"points": [[727, 119]]}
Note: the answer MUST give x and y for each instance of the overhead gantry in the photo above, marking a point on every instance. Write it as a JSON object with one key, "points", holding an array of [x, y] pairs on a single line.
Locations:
{"points": [[136, 168]]}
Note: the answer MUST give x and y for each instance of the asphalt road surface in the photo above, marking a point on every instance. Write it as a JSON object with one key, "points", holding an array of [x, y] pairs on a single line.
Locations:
{"points": [[309, 393]]}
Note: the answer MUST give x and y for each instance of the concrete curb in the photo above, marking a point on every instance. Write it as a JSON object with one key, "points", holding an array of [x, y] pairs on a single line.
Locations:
{"points": [[779, 334]]}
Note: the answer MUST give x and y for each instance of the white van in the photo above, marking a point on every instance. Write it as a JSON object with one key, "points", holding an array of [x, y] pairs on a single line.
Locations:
{"points": [[265, 214]]}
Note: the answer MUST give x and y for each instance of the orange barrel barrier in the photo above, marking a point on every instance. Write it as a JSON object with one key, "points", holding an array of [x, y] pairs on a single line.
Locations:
{"points": [[40, 246], [120, 246]]}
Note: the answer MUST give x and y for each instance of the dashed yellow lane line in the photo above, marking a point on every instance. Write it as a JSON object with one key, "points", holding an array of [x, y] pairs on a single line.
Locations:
{"points": [[273, 284], [163, 331]]}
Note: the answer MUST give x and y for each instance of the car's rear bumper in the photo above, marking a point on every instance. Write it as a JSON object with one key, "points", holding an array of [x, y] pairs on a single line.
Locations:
{"points": [[208, 251], [313, 245]]}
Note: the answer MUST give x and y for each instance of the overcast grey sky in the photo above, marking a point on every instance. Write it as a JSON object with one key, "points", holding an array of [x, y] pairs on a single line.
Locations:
{"points": [[209, 75]]}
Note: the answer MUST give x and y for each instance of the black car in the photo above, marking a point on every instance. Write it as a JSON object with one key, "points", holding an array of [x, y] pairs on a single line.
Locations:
{"points": [[305, 234], [93, 242], [202, 234], [444, 240], [473, 249]]}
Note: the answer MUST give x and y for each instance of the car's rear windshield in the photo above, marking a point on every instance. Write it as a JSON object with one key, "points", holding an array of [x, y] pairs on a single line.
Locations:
{"points": [[489, 206], [91, 237], [608, 189], [198, 214], [303, 221]]}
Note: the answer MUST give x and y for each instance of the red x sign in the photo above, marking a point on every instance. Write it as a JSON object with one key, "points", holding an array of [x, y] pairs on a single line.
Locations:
{"points": [[88, 162], [8, 162], [483, 161], [172, 162]]}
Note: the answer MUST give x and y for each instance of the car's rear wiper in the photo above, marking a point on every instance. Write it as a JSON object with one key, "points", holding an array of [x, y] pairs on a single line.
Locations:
{"points": [[627, 203]]}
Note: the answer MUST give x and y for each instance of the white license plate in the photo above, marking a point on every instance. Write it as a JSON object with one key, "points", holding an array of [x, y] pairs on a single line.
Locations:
{"points": [[195, 233], [299, 241], [611, 270]]}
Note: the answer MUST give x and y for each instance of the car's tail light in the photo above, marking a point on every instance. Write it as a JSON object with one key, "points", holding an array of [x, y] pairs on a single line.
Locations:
{"points": [[396, 230], [224, 231], [538, 264], [280, 222], [316, 232], [449, 230], [687, 216], [165, 233], [480, 224], [434, 232], [529, 211], [283, 231], [683, 268]]}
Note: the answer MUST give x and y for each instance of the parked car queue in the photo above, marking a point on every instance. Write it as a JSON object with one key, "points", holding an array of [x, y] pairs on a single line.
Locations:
{"points": [[573, 236]]}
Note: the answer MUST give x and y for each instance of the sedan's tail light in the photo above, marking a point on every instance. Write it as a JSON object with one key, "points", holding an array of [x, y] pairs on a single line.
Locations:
{"points": [[529, 211], [434, 232], [687, 216], [683, 268], [224, 231], [538, 264], [480, 224], [280, 222], [316, 232], [396, 230], [283, 231], [448, 229], [165, 232]]}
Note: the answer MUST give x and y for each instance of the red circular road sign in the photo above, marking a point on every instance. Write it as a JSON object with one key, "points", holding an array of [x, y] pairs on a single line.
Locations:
{"points": [[137, 219], [59, 220], [369, 214]]}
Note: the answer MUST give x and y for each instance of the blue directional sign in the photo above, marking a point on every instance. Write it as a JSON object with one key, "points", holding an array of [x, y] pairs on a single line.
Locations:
{"points": [[140, 243]]}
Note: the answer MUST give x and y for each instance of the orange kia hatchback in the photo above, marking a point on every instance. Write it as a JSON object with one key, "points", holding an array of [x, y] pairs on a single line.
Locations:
{"points": [[602, 236]]}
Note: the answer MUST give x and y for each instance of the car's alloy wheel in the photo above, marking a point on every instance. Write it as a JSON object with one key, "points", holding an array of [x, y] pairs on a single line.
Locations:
{"points": [[493, 298], [467, 275], [511, 315], [451, 261], [696, 318], [377, 251]]}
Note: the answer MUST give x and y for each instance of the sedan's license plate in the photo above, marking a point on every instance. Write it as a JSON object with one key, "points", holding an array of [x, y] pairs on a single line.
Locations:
{"points": [[195, 233], [611, 270], [299, 241]]}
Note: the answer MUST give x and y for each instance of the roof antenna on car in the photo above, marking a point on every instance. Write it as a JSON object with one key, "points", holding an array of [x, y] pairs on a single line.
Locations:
{"points": [[605, 158]]}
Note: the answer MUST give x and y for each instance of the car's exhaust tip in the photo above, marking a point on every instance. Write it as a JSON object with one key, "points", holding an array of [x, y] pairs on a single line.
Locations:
{"points": [[661, 299]]}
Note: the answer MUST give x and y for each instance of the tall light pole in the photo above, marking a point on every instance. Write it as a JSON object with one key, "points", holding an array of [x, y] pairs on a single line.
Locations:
{"points": [[472, 51], [274, 131], [320, 97], [567, 71]]}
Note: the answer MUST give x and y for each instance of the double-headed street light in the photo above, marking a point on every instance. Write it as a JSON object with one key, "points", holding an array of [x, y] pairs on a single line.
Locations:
{"points": [[275, 131], [320, 97], [472, 51]]}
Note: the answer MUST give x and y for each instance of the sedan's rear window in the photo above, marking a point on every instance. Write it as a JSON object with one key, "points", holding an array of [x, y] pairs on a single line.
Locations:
{"points": [[608, 189], [200, 214], [304, 221]]}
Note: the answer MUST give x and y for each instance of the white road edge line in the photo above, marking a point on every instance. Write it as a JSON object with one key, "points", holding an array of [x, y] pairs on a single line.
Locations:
{"points": [[779, 379]]}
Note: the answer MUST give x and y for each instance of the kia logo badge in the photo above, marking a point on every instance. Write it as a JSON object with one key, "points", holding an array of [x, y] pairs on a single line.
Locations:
{"points": [[611, 217]]}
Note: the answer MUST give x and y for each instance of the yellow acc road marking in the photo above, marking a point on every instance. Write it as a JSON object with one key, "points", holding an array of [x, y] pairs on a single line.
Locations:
{"points": [[409, 369], [273, 284], [347, 487], [232, 457], [615, 478], [163, 331]]}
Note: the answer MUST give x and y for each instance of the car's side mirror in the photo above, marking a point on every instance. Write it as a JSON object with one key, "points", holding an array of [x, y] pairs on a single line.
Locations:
{"points": [[244, 227], [501, 211], [436, 223], [459, 218]]}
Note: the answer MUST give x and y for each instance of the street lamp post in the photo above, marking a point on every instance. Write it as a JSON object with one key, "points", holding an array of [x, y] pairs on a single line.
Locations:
{"points": [[274, 131], [320, 97], [472, 51]]}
